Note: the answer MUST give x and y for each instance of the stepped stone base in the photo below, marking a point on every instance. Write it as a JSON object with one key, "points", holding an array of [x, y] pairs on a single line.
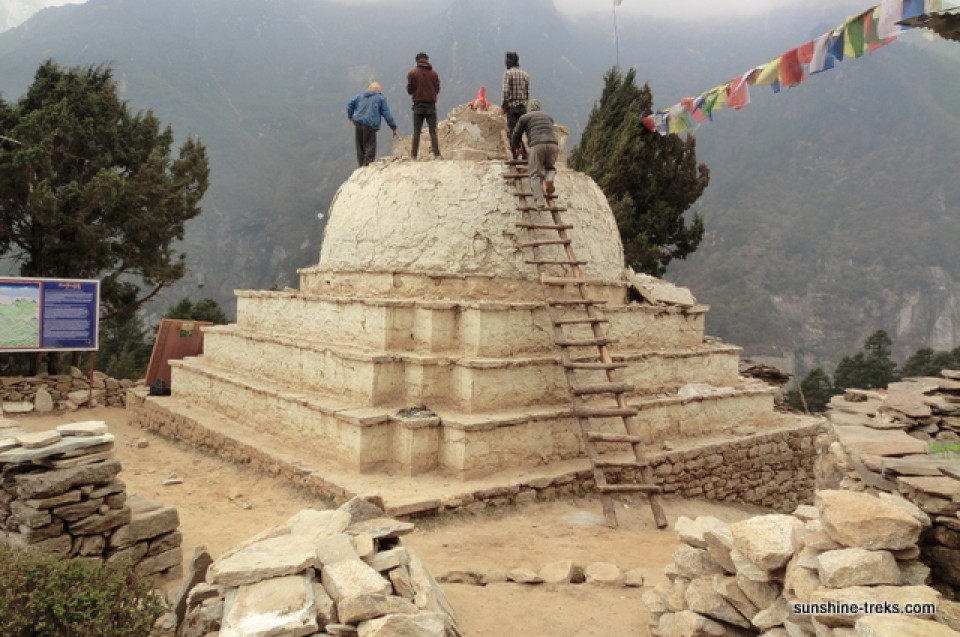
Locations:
{"points": [[459, 444], [743, 474]]}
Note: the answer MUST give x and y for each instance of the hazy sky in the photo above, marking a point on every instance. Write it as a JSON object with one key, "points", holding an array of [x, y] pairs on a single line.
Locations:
{"points": [[682, 9], [699, 9]]}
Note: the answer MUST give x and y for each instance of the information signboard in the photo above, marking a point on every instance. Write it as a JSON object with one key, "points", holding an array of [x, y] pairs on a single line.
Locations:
{"points": [[49, 314]]}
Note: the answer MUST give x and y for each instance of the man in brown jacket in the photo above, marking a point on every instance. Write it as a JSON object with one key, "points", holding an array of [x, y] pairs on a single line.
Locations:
{"points": [[423, 85]]}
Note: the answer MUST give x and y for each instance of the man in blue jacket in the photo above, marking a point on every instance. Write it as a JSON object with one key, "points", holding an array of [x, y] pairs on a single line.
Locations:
{"points": [[365, 111]]}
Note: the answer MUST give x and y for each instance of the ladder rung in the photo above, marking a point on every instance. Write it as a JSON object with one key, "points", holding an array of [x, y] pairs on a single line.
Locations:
{"points": [[585, 342], [599, 366], [545, 226], [619, 464], [562, 280], [594, 436], [515, 162], [605, 412], [602, 388], [546, 242], [554, 262], [580, 321], [552, 301], [629, 488]]}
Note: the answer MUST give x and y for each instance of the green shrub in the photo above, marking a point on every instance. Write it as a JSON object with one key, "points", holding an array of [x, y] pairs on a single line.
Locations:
{"points": [[47, 596]]}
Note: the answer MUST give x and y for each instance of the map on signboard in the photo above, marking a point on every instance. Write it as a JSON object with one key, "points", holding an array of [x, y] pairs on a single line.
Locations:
{"points": [[19, 315]]}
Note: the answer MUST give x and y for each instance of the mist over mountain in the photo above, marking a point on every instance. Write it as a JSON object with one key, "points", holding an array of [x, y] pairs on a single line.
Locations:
{"points": [[830, 211]]}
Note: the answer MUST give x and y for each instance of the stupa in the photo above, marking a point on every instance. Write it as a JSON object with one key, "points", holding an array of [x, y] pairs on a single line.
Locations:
{"points": [[419, 345]]}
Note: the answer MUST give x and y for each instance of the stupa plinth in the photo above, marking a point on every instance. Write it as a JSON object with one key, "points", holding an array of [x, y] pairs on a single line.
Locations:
{"points": [[420, 343]]}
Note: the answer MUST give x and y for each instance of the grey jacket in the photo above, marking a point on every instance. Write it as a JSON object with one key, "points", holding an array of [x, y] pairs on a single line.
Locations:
{"points": [[539, 129]]}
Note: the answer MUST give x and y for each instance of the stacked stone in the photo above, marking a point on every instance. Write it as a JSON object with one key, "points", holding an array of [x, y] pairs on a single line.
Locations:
{"points": [[60, 495], [797, 575], [906, 442], [773, 469], [341, 572], [44, 393]]}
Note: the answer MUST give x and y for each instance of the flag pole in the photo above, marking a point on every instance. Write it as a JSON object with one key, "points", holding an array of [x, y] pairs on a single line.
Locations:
{"points": [[616, 33]]}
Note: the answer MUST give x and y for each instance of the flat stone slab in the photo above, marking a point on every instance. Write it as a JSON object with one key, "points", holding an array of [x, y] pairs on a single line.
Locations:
{"points": [[381, 527], [660, 291], [878, 442], [38, 440], [943, 487], [88, 428], [846, 419], [277, 606], [865, 407], [274, 557], [916, 465], [65, 445]]}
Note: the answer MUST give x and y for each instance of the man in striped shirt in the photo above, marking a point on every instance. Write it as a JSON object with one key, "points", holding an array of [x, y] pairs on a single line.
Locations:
{"points": [[516, 93]]}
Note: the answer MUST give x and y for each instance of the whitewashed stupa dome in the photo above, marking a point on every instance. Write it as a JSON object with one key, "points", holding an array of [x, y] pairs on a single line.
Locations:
{"points": [[456, 218]]}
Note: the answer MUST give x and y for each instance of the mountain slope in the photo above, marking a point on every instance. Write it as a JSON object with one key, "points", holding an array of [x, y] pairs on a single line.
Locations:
{"points": [[830, 212]]}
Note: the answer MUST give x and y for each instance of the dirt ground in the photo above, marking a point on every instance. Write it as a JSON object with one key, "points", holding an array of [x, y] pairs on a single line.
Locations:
{"points": [[221, 504]]}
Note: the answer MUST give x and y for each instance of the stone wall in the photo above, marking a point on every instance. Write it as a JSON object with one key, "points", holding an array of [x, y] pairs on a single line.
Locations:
{"points": [[772, 468], [59, 494], [905, 441], [801, 575], [46, 392]]}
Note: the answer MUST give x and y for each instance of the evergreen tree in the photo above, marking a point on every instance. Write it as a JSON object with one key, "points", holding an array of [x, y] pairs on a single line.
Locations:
{"points": [[90, 190], [650, 180], [816, 389], [203, 310], [872, 368], [125, 348], [927, 362]]}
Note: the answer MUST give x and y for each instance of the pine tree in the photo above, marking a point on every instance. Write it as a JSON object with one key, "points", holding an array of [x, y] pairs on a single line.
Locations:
{"points": [[816, 389], [650, 180], [90, 190], [205, 309], [873, 368]]}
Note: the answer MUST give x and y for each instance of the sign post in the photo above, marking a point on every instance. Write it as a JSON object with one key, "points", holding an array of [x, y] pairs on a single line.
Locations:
{"points": [[44, 315]]}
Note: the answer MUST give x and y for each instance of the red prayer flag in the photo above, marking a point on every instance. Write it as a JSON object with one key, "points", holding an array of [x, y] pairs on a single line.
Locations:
{"points": [[790, 70]]}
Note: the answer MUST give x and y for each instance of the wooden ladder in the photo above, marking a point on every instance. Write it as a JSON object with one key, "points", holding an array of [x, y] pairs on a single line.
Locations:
{"points": [[581, 310]]}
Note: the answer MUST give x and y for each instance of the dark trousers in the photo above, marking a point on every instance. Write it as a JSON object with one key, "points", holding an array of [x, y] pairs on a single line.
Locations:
{"points": [[514, 113], [366, 139], [424, 113]]}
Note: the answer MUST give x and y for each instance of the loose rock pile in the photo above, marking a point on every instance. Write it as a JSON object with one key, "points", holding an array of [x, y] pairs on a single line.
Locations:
{"points": [[905, 441], [60, 495], [341, 572], [793, 575], [44, 393]]}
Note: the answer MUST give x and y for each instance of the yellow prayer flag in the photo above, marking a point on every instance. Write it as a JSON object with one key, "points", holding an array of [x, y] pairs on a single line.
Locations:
{"points": [[769, 74]]}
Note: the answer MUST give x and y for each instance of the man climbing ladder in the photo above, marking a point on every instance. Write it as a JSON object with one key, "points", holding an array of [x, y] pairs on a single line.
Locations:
{"points": [[543, 150], [583, 358]]}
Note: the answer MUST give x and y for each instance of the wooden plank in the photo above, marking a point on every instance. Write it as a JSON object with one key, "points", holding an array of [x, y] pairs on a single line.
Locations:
{"points": [[545, 242], [585, 342], [602, 388], [554, 262], [621, 464], [629, 488], [580, 321], [594, 436], [544, 226], [563, 280]]}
